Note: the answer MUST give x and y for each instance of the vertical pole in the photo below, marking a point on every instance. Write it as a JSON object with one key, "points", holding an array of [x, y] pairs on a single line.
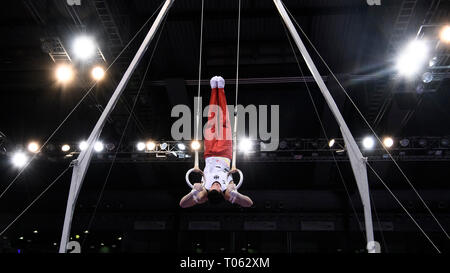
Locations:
{"points": [[81, 164], [358, 162]]}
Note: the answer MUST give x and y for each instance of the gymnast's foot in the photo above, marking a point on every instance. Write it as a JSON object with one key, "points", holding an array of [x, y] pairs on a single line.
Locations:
{"points": [[213, 82], [220, 82]]}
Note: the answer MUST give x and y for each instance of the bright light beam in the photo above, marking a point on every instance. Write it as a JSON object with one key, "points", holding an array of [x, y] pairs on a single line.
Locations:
{"points": [[245, 145], [65, 148], [195, 145], [19, 159], [445, 34], [98, 147], [368, 143], [84, 47], [83, 145], [140, 146], [412, 58], [64, 73], [33, 147], [98, 73], [388, 142], [151, 145]]}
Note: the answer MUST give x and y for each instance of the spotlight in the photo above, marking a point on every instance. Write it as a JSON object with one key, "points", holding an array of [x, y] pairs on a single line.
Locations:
{"points": [[64, 73], [331, 143], [33, 147], [19, 159], [412, 58], [245, 145], [65, 148], [140, 146], [195, 145], [404, 142], [388, 142], [427, 77], [433, 61], [283, 144], [84, 47], [83, 145], [163, 146], [151, 145], [444, 142], [181, 146], [445, 34], [98, 147], [368, 143], [422, 143], [98, 73], [110, 147]]}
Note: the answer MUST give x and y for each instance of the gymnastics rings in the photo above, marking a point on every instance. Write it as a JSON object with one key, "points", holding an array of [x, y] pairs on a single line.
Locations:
{"points": [[241, 176]]}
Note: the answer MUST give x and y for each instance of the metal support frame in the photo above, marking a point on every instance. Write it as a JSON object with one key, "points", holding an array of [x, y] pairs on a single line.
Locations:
{"points": [[357, 161], [81, 164]]}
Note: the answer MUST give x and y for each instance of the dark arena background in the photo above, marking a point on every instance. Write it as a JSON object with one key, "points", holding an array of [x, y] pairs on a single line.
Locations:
{"points": [[385, 63]]}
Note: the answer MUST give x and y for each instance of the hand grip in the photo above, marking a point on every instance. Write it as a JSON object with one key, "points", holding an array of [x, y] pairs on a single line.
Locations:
{"points": [[187, 176], [241, 177]]}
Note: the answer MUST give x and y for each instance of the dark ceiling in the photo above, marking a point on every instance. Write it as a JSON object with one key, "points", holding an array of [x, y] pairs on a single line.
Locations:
{"points": [[358, 42]]}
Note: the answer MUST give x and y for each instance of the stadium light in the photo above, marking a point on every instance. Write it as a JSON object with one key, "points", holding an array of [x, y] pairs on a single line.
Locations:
{"points": [[140, 146], [64, 73], [65, 148], [151, 145], [245, 145], [19, 159], [368, 143], [163, 146], [331, 143], [445, 34], [84, 47], [98, 73], [195, 145], [388, 142], [33, 147], [181, 146], [98, 147], [404, 142], [83, 145], [412, 58]]}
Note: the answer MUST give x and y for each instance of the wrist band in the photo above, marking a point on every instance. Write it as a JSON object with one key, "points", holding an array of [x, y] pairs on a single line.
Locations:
{"points": [[194, 195], [233, 195]]}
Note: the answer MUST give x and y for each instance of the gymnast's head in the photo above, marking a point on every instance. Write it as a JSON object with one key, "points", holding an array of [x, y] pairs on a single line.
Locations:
{"points": [[215, 194]]}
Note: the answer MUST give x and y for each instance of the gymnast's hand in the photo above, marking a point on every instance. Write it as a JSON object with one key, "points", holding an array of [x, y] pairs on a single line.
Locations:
{"points": [[198, 187], [231, 187]]}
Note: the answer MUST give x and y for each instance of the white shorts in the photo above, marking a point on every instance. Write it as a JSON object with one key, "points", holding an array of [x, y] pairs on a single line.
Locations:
{"points": [[216, 170]]}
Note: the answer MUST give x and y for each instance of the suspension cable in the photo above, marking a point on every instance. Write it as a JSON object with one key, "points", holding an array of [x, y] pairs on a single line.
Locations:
{"points": [[368, 124], [197, 133], [233, 165]]}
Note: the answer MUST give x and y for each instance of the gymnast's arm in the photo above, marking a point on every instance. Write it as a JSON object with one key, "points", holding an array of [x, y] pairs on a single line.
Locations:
{"points": [[235, 197], [198, 195]]}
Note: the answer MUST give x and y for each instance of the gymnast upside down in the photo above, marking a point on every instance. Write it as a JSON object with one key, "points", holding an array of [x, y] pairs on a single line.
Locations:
{"points": [[217, 184]]}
